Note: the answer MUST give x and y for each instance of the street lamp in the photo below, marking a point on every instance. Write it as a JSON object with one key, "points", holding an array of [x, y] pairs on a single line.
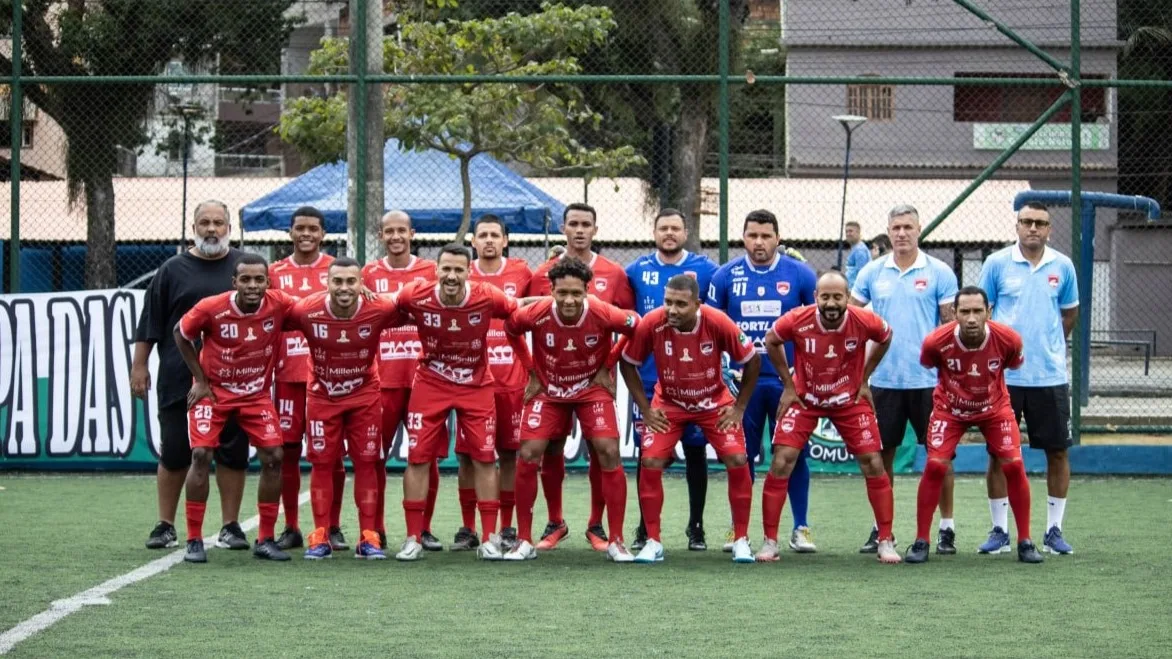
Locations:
{"points": [[849, 123], [187, 112]]}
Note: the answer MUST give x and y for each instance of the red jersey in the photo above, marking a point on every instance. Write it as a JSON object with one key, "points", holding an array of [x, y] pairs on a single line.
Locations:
{"points": [[455, 339], [512, 278], [299, 281], [688, 363], [971, 381], [567, 357], [399, 349], [828, 364], [609, 284], [238, 348], [343, 349]]}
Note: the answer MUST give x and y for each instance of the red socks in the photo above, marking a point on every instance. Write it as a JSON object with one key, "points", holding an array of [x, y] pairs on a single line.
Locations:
{"points": [[553, 472], [339, 476], [740, 498], [614, 488], [651, 499], [928, 496], [195, 511], [772, 501], [883, 503], [508, 500], [432, 493], [526, 493], [1019, 496], [488, 514], [366, 493], [597, 499], [291, 483], [380, 505], [321, 494], [468, 507], [268, 519]]}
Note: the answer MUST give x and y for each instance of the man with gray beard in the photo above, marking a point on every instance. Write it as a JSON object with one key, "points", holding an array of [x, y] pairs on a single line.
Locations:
{"points": [[183, 280]]}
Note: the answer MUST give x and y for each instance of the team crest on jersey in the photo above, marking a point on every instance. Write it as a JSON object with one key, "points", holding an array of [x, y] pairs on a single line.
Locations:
{"points": [[364, 331], [600, 285], [783, 287], [323, 277], [851, 344], [1053, 279], [921, 285], [268, 325], [511, 289], [994, 364], [760, 291], [787, 424], [591, 340], [706, 347], [203, 427], [474, 318], [533, 421]]}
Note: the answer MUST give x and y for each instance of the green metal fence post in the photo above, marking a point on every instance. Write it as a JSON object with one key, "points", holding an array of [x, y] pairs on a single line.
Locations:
{"points": [[358, 37], [1076, 353], [16, 119], [723, 130], [1013, 36]]}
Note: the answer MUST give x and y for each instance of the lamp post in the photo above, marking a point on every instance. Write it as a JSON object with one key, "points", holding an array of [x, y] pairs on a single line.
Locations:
{"points": [[849, 123], [187, 112]]}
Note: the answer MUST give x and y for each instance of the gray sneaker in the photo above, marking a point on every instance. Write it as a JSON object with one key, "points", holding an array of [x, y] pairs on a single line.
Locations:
{"points": [[195, 552], [232, 537], [163, 536], [509, 539], [337, 540], [430, 542], [466, 540]]}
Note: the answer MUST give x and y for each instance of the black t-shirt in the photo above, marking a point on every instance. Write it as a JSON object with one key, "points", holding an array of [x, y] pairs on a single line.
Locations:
{"points": [[181, 282]]}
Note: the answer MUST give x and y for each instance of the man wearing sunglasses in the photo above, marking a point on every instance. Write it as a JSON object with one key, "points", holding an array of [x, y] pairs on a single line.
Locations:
{"points": [[1032, 289]]}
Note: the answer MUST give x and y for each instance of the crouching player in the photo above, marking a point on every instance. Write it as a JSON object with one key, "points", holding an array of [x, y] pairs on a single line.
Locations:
{"points": [[233, 375], [970, 355], [829, 381], [571, 341], [687, 340]]}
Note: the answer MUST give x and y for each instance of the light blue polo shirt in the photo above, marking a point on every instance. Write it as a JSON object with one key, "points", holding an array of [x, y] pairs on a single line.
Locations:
{"points": [[860, 255], [1031, 301], [910, 303]]}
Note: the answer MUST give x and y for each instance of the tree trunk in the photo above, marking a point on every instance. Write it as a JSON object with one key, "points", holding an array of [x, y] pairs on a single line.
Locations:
{"points": [[466, 186], [99, 211], [691, 145]]}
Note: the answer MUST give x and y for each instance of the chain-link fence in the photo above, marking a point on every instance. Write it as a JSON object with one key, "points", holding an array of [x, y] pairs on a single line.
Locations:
{"points": [[133, 112]]}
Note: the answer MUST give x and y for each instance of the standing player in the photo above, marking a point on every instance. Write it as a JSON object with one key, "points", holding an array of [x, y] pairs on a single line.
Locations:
{"points": [[754, 290], [301, 274], [342, 403], [580, 224], [453, 317], [572, 341], [232, 376], [1032, 289], [829, 382], [688, 339], [860, 254], [971, 356], [913, 292], [647, 275], [512, 276], [398, 355]]}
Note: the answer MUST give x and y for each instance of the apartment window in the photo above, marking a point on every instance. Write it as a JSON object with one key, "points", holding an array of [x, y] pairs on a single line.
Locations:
{"points": [[1020, 104], [875, 102], [26, 141]]}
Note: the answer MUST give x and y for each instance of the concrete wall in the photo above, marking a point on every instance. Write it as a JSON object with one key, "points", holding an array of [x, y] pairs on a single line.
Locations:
{"points": [[1141, 282]]}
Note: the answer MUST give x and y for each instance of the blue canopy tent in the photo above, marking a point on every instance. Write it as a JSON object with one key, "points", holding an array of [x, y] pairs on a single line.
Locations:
{"points": [[425, 184]]}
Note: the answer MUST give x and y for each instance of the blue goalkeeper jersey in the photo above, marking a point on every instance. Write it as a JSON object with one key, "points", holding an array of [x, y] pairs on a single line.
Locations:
{"points": [[648, 275], [754, 297]]}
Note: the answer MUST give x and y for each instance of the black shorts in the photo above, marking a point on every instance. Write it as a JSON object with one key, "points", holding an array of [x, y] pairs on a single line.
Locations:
{"points": [[175, 446], [1047, 415], [896, 408]]}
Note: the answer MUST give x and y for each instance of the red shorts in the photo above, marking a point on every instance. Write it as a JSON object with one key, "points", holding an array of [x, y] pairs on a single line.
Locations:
{"points": [[663, 444], [427, 421], [256, 417], [355, 418], [855, 423], [548, 418], [1002, 436], [290, 401], [394, 403]]}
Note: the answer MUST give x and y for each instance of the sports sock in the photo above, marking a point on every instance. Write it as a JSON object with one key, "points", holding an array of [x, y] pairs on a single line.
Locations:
{"points": [[380, 504], [947, 524], [614, 487], [321, 494], [927, 496], [508, 501], [1018, 485], [268, 519], [413, 512], [553, 472], [597, 500], [999, 512], [339, 476], [488, 514], [195, 510], [366, 493], [772, 501], [291, 483], [468, 507], [651, 497], [696, 473], [1055, 511], [883, 503], [432, 495], [526, 492], [799, 489], [740, 498]]}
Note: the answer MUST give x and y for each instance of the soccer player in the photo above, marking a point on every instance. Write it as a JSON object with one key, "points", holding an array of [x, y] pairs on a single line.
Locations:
{"points": [[971, 355], [453, 317], [647, 275], [687, 339], [512, 276], [572, 341], [1032, 289], [301, 274], [609, 284], [831, 367], [232, 376], [754, 290], [913, 292], [342, 327], [860, 254], [398, 355]]}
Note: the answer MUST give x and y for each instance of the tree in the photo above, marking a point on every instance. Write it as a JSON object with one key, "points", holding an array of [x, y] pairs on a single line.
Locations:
{"points": [[126, 38], [1145, 145], [523, 123]]}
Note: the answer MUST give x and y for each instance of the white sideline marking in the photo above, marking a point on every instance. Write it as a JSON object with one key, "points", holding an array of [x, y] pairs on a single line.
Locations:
{"points": [[97, 595]]}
